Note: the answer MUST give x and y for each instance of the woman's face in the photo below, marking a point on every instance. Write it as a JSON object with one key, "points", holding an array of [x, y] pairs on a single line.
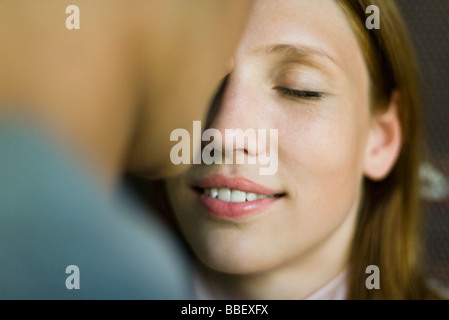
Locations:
{"points": [[298, 69]]}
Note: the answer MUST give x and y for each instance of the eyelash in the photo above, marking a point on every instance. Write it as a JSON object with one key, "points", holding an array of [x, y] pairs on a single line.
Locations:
{"points": [[300, 94]]}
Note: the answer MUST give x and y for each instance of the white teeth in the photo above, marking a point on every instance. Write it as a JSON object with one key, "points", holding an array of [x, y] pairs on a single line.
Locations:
{"points": [[238, 196], [251, 196], [228, 195], [224, 194]]}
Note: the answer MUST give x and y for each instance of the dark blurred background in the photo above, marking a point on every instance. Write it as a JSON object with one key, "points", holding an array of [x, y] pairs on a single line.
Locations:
{"points": [[428, 22]]}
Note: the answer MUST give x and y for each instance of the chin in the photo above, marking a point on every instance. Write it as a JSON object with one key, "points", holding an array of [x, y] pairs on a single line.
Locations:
{"points": [[235, 262], [241, 267], [231, 267]]}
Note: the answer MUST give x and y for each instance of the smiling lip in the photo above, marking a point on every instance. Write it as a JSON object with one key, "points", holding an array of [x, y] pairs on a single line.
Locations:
{"points": [[234, 210]]}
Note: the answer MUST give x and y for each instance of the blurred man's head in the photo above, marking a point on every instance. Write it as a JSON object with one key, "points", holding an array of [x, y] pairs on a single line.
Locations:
{"points": [[131, 74], [190, 45]]}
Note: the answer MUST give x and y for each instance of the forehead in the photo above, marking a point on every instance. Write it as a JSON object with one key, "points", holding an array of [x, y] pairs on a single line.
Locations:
{"points": [[318, 25]]}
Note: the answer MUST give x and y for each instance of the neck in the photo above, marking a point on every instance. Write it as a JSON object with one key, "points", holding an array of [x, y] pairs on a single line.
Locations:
{"points": [[292, 282]]}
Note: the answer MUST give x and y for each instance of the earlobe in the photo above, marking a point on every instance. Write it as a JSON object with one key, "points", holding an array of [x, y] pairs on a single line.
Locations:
{"points": [[384, 141]]}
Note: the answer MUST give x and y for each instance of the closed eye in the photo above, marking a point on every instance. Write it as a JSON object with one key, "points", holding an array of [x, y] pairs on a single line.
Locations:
{"points": [[300, 94]]}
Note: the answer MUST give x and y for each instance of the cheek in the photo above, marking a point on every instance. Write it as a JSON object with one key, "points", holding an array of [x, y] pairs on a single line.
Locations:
{"points": [[324, 155]]}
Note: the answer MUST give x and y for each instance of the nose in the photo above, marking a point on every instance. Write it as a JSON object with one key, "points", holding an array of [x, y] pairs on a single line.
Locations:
{"points": [[237, 113]]}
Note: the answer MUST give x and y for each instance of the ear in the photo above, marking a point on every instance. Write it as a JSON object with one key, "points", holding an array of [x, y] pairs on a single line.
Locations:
{"points": [[384, 141]]}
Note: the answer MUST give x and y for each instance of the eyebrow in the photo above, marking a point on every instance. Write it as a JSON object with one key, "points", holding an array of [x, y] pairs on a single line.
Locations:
{"points": [[297, 53]]}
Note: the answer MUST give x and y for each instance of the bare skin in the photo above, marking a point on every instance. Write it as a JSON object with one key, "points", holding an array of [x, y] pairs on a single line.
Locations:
{"points": [[116, 88]]}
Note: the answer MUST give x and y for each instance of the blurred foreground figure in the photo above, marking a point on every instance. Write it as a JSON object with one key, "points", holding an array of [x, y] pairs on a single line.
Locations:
{"points": [[76, 107]]}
